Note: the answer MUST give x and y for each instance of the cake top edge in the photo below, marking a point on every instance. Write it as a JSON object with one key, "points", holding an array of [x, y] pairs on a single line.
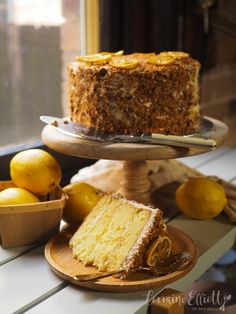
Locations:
{"points": [[133, 203], [131, 61]]}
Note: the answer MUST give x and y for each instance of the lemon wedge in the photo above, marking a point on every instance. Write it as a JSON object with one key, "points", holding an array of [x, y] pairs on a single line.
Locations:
{"points": [[158, 251], [95, 58], [124, 63]]}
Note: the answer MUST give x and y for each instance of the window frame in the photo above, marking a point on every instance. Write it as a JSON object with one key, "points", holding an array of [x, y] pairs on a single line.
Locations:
{"points": [[89, 24]]}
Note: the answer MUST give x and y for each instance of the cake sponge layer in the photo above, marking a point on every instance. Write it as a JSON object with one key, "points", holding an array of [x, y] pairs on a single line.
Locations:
{"points": [[115, 234]]}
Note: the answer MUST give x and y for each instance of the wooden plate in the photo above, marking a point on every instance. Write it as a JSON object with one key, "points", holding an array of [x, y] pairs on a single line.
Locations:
{"points": [[59, 257]]}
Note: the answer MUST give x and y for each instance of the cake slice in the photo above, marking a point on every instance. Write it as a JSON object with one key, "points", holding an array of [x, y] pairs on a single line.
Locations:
{"points": [[117, 234]]}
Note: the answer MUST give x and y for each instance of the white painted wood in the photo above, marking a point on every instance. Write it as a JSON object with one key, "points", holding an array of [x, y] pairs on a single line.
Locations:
{"points": [[75, 300], [211, 246], [8, 254], [214, 238], [195, 161], [25, 279], [224, 167], [28, 277]]}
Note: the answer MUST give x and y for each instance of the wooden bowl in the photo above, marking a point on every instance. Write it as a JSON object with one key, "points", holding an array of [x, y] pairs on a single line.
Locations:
{"points": [[30, 223]]}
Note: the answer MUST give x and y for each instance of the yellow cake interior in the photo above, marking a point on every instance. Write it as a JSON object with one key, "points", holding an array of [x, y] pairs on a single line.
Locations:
{"points": [[109, 232]]}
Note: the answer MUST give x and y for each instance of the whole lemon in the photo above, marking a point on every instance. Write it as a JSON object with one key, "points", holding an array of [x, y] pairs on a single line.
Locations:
{"points": [[201, 198], [36, 171], [16, 196], [81, 198]]}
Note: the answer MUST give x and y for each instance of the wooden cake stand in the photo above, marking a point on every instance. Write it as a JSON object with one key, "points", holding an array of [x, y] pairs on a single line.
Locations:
{"points": [[136, 184]]}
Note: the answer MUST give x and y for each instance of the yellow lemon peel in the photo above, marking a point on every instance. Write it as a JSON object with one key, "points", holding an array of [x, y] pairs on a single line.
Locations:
{"points": [[81, 198], [124, 63], [201, 198], [175, 54], [161, 60], [36, 171], [159, 250], [17, 196], [95, 58]]}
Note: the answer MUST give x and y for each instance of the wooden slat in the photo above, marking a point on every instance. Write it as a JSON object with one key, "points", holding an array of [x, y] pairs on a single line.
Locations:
{"points": [[196, 161], [25, 279], [210, 249], [214, 238], [9, 254], [224, 167], [44, 283], [77, 300], [222, 163]]}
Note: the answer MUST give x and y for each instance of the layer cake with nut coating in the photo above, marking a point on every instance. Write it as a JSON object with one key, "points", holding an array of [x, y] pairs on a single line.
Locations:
{"points": [[136, 93]]}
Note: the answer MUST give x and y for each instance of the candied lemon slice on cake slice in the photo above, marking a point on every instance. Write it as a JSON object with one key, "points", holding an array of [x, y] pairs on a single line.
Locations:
{"points": [[158, 251], [124, 63], [161, 59], [95, 58]]}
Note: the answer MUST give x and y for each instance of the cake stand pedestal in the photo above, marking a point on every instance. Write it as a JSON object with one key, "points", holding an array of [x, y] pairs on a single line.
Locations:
{"points": [[136, 184]]}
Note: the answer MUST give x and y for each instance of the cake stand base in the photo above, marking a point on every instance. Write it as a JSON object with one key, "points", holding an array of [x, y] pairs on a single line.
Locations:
{"points": [[136, 184]]}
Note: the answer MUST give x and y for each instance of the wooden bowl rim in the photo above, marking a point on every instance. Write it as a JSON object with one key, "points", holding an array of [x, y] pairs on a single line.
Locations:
{"points": [[34, 207]]}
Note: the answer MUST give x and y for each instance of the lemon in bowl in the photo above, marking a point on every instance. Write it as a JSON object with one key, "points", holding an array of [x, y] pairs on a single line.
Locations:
{"points": [[36, 171], [17, 196], [201, 198]]}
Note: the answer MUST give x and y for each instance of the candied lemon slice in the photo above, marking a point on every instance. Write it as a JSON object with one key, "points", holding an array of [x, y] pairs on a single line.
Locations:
{"points": [[161, 60], [175, 54], [159, 250], [124, 63], [118, 53], [95, 58], [144, 54]]}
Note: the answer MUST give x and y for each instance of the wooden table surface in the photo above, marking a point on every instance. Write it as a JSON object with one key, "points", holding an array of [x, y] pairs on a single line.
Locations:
{"points": [[28, 284]]}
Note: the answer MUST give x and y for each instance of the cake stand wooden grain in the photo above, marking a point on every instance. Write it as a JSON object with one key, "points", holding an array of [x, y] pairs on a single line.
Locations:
{"points": [[136, 185]]}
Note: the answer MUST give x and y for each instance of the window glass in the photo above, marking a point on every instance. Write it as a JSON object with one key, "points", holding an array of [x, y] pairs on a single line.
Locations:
{"points": [[37, 39]]}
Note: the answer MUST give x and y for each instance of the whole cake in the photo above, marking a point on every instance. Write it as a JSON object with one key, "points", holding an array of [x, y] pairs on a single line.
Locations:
{"points": [[136, 93], [120, 234]]}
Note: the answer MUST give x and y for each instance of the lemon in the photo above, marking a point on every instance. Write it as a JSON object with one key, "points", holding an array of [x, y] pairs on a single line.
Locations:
{"points": [[158, 251], [201, 198], [16, 196], [81, 198], [36, 171]]}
